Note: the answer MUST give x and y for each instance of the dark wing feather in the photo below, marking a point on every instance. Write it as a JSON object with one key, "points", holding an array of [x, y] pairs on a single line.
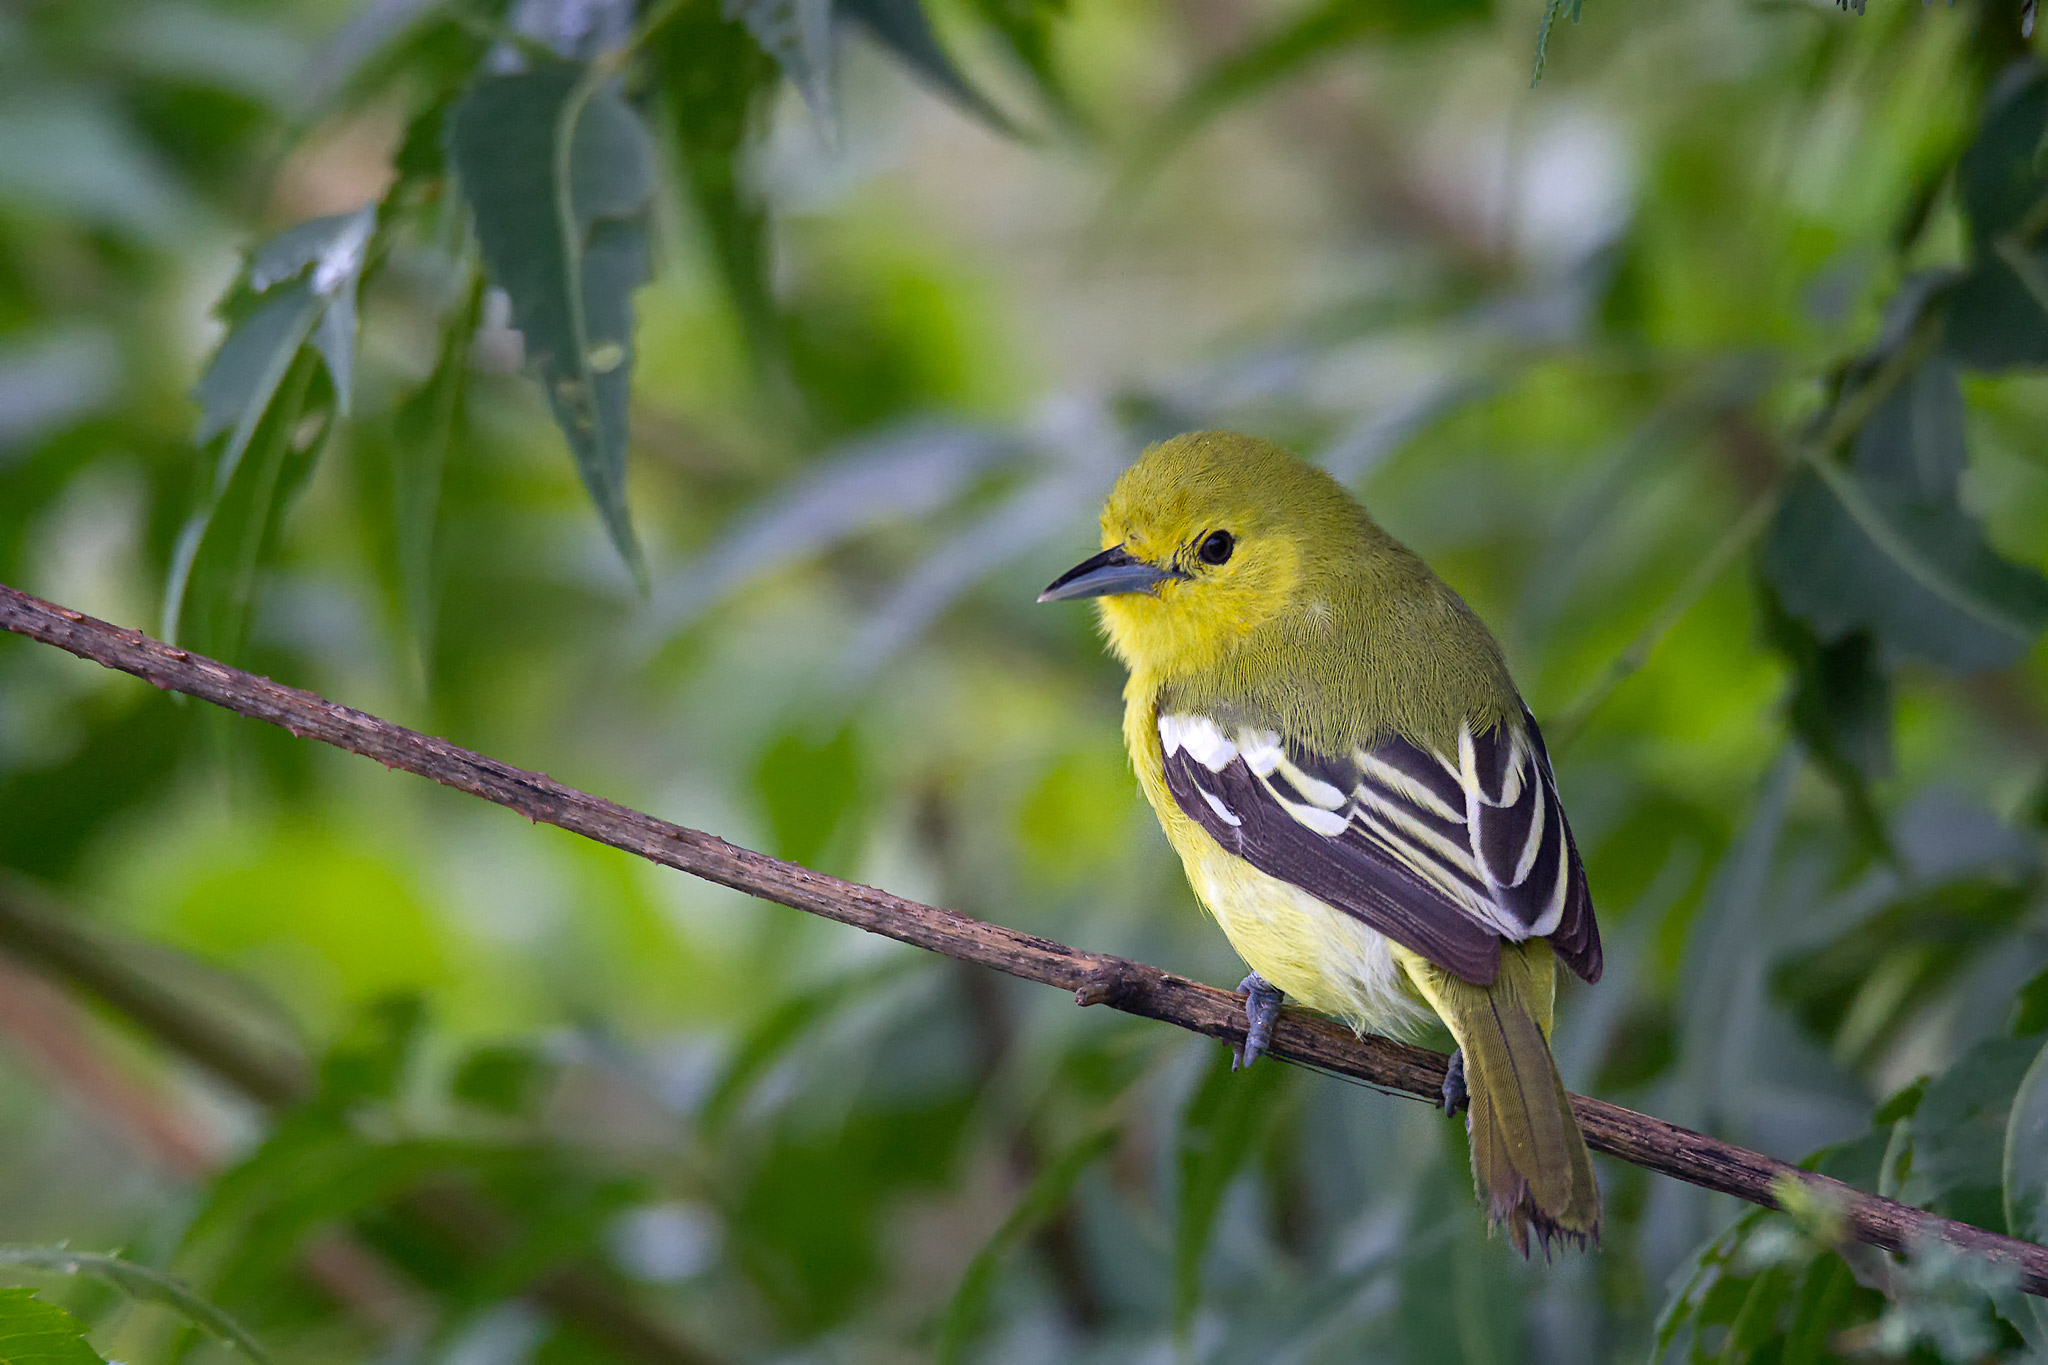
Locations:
{"points": [[1348, 871], [1446, 855]]}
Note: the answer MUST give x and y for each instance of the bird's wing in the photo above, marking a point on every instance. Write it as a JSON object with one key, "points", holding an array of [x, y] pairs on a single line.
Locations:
{"points": [[1445, 854]]}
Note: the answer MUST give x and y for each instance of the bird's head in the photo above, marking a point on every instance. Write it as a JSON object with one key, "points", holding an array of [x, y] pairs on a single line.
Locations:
{"points": [[1206, 538]]}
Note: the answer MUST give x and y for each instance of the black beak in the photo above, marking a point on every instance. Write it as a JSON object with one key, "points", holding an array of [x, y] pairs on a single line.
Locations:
{"points": [[1112, 571]]}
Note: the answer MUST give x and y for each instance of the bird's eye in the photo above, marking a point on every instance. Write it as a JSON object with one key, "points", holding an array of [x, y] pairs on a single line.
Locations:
{"points": [[1216, 548]]}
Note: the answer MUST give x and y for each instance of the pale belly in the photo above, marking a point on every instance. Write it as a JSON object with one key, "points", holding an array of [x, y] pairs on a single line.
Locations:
{"points": [[1319, 956]]}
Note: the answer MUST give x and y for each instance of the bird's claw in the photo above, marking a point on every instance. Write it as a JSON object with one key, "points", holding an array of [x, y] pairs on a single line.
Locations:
{"points": [[1261, 1009], [1455, 1096]]}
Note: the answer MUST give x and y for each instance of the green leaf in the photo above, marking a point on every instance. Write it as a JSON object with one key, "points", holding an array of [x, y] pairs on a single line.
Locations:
{"points": [[809, 789], [559, 172], [1553, 10], [427, 425], [142, 1283], [901, 26], [36, 1333], [1025, 28], [1044, 1198], [2030, 1007], [504, 1078], [1318, 31], [1221, 1127], [2026, 1169], [1959, 1132], [2000, 177], [1848, 553], [1840, 707], [295, 306], [798, 35], [720, 86]]}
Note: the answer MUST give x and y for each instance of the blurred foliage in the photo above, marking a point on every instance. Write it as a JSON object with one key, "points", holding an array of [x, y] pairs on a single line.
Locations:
{"points": [[688, 399]]}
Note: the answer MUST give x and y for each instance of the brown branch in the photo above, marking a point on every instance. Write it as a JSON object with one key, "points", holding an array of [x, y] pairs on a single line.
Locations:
{"points": [[1095, 978]]}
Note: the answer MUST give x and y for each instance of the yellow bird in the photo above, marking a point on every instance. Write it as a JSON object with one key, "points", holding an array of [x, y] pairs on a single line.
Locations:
{"points": [[1332, 742]]}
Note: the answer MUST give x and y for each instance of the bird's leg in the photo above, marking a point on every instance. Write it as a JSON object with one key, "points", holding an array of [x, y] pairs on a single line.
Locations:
{"points": [[1261, 1008], [1455, 1097]]}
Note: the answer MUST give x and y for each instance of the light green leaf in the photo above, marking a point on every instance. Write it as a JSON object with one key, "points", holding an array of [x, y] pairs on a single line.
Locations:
{"points": [[299, 292], [36, 1333], [559, 172], [1040, 1202], [143, 1283]]}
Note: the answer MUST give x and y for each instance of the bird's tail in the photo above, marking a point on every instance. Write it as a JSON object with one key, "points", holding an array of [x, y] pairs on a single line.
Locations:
{"points": [[1528, 1157]]}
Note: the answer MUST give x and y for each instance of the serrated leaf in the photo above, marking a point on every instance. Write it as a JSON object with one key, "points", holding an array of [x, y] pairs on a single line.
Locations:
{"points": [[36, 1333], [1847, 553], [1040, 1202], [901, 26], [1225, 1118], [559, 173], [143, 1283]]}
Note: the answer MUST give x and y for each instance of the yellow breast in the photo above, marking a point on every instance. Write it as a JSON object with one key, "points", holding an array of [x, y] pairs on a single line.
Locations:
{"points": [[1319, 956]]}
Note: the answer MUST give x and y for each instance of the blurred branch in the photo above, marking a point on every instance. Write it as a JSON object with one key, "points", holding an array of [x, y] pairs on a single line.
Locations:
{"points": [[1095, 979], [39, 935]]}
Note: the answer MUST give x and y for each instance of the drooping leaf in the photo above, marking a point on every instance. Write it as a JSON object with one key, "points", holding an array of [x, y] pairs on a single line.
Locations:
{"points": [[1026, 29], [1958, 1133], [1553, 10], [559, 171], [720, 84], [427, 425], [36, 1333], [798, 35], [295, 309], [143, 1283], [1847, 553], [1226, 1117], [901, 26], [1040, 1202]]}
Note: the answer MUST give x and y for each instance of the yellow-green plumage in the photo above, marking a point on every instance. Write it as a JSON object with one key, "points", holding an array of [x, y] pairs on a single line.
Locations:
{"points": [[1322, 635]]}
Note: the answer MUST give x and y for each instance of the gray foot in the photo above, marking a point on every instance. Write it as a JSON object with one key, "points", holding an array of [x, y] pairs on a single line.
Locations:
{"points": [[1455, 1098], [1261, 1009]]}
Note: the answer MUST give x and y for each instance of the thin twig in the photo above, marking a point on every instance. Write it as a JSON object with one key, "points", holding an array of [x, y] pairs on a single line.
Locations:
{"points": [[1095, 978]]}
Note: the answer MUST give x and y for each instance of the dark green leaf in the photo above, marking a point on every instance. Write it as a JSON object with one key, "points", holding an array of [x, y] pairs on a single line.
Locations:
{"points": [[1026, 30], [1225, 1119], [798, 35], [1994, 323], [1914, 438], [36, 1333], [559, 172], [142, 1283], [1840, 707], [2000, 176], [2026, 1169], [1959, 1133], [1040, 1202], [1846, 553], [1553, 10], [901, 26], [427, 425], [720, 86], [2030, 1008], [505, 1078]]}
